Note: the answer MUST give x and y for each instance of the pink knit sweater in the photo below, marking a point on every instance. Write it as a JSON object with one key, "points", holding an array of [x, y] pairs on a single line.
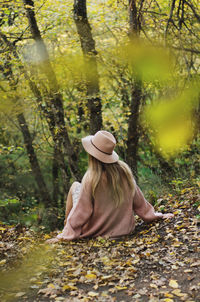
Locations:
{"points": [[100, 216]]}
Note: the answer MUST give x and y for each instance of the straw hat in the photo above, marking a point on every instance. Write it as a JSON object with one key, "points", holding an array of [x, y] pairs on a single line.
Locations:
{"points": [[101, 146]]}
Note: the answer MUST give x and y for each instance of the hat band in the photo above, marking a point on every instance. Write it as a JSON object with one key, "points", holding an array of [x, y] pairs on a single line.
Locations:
{"points": [[99, 149]]}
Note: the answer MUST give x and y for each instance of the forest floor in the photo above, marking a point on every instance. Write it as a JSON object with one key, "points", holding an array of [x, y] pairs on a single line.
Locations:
{"points": [[159, 262]]}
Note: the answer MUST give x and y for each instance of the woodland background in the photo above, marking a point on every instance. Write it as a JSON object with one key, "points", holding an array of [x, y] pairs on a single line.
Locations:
{"points": [[69, 69]]}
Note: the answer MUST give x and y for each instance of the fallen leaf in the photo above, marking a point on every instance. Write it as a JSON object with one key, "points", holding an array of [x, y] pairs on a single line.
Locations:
{"points": [[168, 295], [90, 276], [51, 285], [68, 287], [2, 262], [173, 283], [120, 287], [93, 294], [178, 293], [20, 294]]}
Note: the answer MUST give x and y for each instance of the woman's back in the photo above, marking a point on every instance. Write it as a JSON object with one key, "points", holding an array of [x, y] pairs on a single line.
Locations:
{"points": [[109, 218]]}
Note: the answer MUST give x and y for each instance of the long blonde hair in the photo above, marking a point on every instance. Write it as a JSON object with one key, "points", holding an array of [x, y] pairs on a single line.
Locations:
{"points": [[117, 174]]}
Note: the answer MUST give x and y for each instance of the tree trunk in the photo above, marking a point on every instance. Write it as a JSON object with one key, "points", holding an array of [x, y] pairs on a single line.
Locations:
{"points": [[42, 188], [136, 92], [133, 127], [35, 167], [55, 102], [91, 71], [58, 160]]}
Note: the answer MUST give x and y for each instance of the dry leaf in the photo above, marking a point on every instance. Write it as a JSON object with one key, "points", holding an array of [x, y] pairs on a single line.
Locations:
{"points": [[2, 262], [178, 293], [93, 294], [90, 276], [120, 287], [69, 287], [173, 283], [20, 294]]}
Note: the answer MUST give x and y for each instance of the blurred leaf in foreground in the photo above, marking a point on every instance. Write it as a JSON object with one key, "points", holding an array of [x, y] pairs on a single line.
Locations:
{"points": [[171, 122], [18, 279], [149, 62]]}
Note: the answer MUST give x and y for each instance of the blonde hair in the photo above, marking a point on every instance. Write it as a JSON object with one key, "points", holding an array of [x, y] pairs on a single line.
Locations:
{"points": [[117, 175]]}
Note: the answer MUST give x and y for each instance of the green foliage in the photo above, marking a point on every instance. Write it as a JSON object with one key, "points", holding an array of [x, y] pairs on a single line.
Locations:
{"points": [[169, 103]]}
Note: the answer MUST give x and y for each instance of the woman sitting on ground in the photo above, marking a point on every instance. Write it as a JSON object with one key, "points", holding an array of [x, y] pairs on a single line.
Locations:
{"points": [[104, 202]]}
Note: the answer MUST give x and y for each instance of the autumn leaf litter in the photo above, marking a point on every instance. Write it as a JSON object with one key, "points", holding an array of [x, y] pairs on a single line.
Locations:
{"points": [[159, 262]]}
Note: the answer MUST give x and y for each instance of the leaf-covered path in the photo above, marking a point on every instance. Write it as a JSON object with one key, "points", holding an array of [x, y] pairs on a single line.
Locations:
{"points": [[159, 262]]}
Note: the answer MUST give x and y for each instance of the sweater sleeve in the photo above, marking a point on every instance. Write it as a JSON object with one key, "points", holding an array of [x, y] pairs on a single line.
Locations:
{"points": [[79, 214], [143, 208]]}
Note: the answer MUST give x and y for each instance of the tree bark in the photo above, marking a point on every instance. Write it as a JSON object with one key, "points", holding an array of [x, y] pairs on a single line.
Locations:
{"points": [[91, 71], [58, 160], [35, 167], [133, 127], [136, 91], [55, 102], [42, 188]]}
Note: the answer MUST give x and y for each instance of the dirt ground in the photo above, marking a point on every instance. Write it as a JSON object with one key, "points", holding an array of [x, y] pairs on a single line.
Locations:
{"points": [[159, 262]]}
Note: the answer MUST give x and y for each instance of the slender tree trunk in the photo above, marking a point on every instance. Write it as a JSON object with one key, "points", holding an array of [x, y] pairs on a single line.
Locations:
{"points": [[55, 99], [58, 160], [35, 167], [91, 71], [42, 188], [133, 127], [136, 92], [55, 175]]}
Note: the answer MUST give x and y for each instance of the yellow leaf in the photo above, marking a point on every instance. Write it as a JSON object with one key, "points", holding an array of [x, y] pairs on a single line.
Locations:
{"points": [[120, 287], [51, 285], [69, 287], [173, 283], [168, 300], [178, 293], [153, 285], [90, 276], [168, 295], [46, 237], [93, 294], [2, 262], [106, 277], [2, 229]]}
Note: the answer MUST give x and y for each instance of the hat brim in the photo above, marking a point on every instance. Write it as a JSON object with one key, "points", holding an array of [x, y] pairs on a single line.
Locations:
{"points": [[101, 156]]}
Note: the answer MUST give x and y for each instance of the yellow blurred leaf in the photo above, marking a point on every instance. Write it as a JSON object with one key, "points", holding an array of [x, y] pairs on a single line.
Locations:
{"points": [[2, 229], [171, 121], [20, 294], [46, 237], [51, 285]]}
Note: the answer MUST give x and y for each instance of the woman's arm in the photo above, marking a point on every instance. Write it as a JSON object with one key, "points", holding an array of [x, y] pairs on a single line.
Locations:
{"points": [[144, 209], [79, 214]]}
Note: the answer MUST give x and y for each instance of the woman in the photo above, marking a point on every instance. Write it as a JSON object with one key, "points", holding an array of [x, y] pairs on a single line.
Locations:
{"points": [[104, 202]]}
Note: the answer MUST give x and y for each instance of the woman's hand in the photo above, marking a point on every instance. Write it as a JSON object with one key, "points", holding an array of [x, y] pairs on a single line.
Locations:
{"points": [[167, 216], [52, 240], [164, 216]]}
